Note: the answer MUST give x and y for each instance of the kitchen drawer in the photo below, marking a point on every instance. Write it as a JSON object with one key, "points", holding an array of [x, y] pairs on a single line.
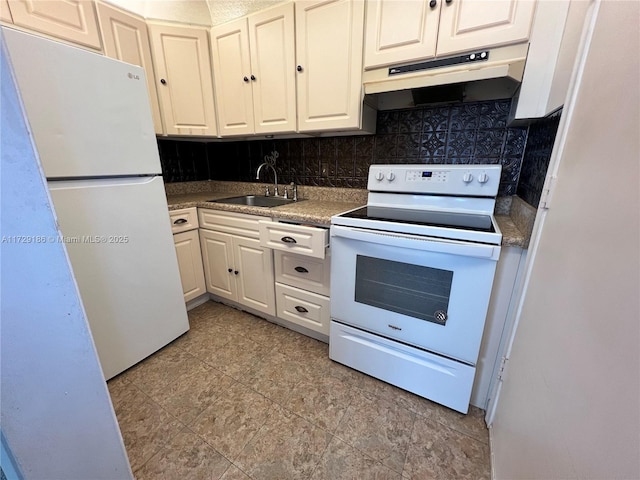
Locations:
{"points": [[230, 222], [311, 241], [304, 272], [303, 308], [183, 220]]}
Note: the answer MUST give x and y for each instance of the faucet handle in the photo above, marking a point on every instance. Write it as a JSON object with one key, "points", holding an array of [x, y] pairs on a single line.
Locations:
{"points": [[266, 191]]}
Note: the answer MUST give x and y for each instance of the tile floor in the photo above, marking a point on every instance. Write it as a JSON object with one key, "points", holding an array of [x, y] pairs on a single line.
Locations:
{"points": [[240, 398]]}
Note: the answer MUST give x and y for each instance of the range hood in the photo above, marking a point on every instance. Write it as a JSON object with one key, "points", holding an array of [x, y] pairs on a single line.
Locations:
{"points": [[506, 63]]}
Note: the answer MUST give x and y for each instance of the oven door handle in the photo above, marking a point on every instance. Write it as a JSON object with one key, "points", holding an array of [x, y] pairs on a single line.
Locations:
{"points": [[416, 242]]}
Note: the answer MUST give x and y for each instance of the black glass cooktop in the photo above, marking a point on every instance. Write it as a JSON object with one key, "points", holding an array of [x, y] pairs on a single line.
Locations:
{"points": [[465, 221]]}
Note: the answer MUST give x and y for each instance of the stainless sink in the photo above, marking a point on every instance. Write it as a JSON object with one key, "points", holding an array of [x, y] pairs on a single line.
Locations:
{"points": [[255, 201]]}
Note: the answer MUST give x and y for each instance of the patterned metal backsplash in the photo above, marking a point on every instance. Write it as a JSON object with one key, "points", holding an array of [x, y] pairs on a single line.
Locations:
{"points": [[459, 134], [535, 163]]}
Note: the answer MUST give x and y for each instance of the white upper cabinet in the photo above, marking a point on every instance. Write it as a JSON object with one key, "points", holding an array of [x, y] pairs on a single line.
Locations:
{"points": [[5, 14], [272, 43], [400, 31], [254, 72], [469, 24], [71, 20], [405, 31], [329, 37], [125, 38], [183, 69], [232, 72]]}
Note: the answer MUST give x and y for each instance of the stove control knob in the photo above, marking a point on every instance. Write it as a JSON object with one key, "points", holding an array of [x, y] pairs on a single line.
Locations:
{"points": [[467, 178], [483, 178], [391, 176], [379, 176]]}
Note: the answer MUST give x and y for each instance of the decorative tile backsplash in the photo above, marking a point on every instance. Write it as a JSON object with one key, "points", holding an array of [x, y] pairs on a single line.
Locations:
{"points": [[469, 133], [537, 155]]}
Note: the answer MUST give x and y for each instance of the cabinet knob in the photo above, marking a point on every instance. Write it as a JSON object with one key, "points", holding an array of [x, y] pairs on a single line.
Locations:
{"points": [[230, 270], [235, 272], [253, 77], [301, 309], [433, 3], [299, 68], [246, 79], [163, 81]]}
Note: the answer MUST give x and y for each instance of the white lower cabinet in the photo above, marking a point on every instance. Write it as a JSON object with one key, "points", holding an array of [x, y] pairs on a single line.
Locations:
{"points": [[236, 267], [303, 308], [190, 264], [302, 290], [184, 225]]}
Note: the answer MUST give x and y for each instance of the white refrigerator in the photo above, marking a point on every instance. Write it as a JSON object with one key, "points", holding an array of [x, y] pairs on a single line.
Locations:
{"points": [[91, 125]]}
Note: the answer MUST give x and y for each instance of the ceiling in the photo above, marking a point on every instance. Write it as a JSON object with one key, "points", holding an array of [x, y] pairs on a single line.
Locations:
{"points": [[199, 12]]}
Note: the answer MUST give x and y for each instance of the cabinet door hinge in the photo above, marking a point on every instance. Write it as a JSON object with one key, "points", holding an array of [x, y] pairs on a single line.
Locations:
{"points": [[547, 191]]}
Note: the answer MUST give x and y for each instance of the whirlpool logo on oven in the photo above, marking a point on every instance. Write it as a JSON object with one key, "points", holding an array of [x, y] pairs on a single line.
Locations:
{"points": [[133, 76]]}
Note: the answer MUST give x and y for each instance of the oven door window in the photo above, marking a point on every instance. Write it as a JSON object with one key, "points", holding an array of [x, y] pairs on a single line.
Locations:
{"points": [[412, 290]]}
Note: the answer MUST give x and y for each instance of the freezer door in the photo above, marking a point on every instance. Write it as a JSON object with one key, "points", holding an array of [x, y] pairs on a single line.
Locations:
{"points": [[89, 115], [118, 236]]}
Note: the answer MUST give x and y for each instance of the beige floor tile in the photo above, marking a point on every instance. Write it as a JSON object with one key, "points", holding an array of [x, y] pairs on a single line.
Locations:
{"points": [[471, 424], [343, 462], [234, 473], [378, 428], [237, 357], [276, 414], [437, 452], [191, 393], [233, 419], [186, 456], [145, 426], [158, 371], [275, 376], [286, 447], [321, 401]]}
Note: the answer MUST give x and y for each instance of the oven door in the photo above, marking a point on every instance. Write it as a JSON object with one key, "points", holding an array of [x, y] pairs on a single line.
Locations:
{"points": [[422, 291]]}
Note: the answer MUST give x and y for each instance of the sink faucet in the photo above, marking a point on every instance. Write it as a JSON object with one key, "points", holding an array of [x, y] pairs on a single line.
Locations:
{"points": [[275, 176]]}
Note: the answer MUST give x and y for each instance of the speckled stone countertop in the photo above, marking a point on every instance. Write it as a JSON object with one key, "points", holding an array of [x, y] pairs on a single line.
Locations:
{"points": [[319, 204]]}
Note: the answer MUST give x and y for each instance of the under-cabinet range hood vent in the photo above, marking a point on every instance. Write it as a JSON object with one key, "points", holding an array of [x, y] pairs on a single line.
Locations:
{"points": [[497, 63]]}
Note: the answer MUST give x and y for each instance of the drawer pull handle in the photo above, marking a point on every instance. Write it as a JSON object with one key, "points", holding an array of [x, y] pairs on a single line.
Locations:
{"points": [[301, 309], [180, 221], [301, 270], [288, 240]]}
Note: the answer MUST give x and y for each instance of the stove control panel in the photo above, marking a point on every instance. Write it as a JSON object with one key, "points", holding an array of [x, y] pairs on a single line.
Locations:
{"points": [[472, 180]]}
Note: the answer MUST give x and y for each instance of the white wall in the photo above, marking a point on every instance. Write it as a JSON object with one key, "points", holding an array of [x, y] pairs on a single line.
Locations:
{"points": [[570, 403], [55, 410]]}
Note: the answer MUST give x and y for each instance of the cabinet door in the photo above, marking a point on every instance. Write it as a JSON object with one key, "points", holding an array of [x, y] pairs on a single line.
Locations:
{"points": [[217, 258], [255, 280], [470, 24], [232, 74], [272, 44], [5, 14], [71, 20], [190, 264], [400, 31], [125, 38], [329, 37], [183, 68]]}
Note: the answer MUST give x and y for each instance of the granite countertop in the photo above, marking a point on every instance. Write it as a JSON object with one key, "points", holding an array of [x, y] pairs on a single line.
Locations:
{"points": [[316, 212], [319, 204]]}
